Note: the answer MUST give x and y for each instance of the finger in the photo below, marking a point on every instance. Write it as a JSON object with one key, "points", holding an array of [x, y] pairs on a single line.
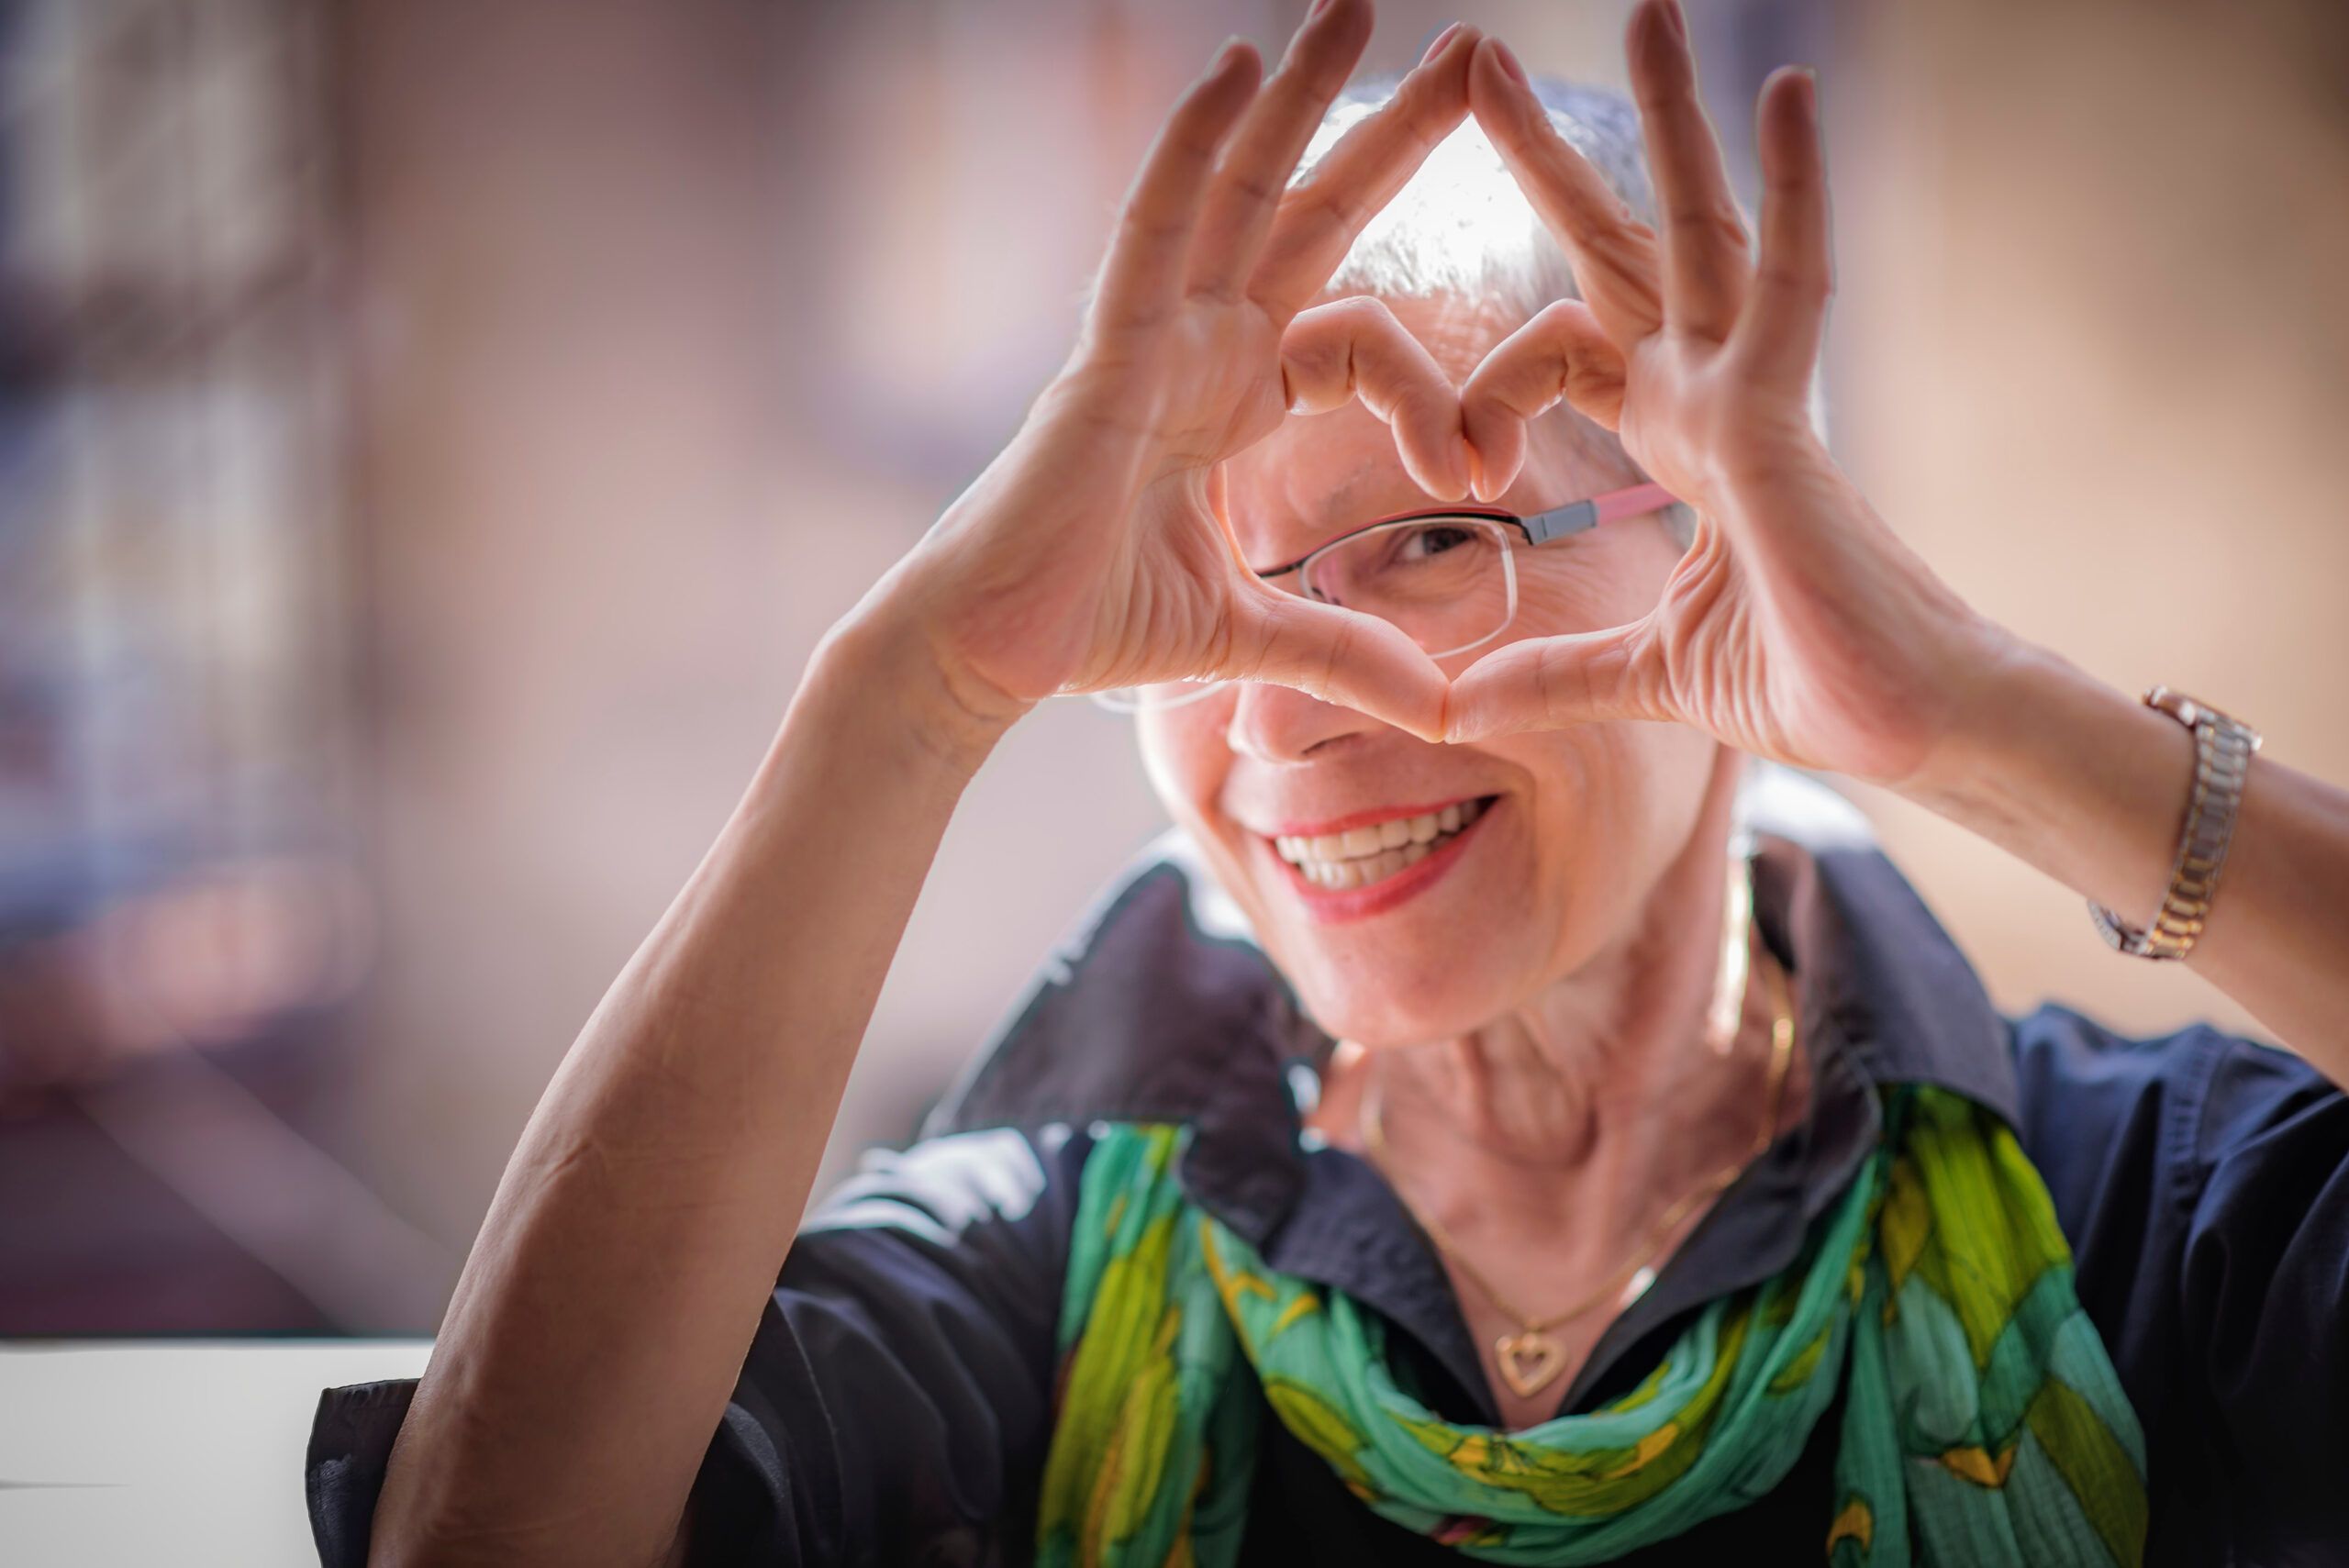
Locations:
{"points": [[1248, 187], [1546, 682], [1141, 275], [1319, 217], [1614, 255], [1341, 656], [1779, 333], [1562, 353], [1356, 349], [1705, 249]]}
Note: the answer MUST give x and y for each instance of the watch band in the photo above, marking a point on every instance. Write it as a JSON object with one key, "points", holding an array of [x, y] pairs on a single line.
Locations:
{"points": [[2222, 753]]}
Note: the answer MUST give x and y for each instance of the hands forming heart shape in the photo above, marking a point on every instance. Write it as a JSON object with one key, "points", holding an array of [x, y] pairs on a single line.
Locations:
{"points": [[1096, 551]]}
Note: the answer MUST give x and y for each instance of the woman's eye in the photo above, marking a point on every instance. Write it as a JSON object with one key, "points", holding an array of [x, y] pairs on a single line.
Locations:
{"points": [[1431, 541]]}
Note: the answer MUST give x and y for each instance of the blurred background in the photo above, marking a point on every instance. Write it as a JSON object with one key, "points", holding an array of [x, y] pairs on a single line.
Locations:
{"points": [[434, 433]]}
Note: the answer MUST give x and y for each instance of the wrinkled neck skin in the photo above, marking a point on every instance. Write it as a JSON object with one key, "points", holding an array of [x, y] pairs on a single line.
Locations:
{"points": [[1577, 1118]]}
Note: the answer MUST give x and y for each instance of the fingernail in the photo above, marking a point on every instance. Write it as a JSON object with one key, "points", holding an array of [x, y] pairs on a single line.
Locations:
{"points": [[1224, 57], [1441, 39], [1510, 64], [1319, 7], [1678, 23]]}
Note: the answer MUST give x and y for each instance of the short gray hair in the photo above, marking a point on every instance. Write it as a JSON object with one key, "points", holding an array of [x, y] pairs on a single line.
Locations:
{"points": [[1463, 229]]}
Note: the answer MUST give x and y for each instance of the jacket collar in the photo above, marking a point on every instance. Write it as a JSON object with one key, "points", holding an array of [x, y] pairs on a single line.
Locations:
{"points": [[1161, 1007]]}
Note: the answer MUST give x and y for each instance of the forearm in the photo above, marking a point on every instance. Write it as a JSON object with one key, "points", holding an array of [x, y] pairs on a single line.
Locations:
{"points": [[604, 1313], [2090, 785]]}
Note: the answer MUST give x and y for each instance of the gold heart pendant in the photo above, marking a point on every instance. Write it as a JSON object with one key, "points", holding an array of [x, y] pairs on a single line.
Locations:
{"points": [[1529, 1359]]}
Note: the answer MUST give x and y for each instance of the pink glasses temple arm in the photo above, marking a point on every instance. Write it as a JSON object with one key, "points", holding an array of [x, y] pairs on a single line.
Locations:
{"points": [[1543, 527]]}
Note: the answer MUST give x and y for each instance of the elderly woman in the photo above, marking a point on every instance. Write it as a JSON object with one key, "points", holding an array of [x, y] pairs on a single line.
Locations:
{"points": [[1492, 1130]]}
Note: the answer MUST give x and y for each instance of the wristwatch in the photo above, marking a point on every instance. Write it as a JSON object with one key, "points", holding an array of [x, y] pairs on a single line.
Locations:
{"points": [[2223, 751]]}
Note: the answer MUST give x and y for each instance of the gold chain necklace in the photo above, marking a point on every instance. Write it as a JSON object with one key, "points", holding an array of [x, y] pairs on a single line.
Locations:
{"points": [[1529, 1358]]}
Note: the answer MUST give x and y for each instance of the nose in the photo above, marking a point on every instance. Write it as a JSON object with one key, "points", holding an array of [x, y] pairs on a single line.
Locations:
{"points": [[1281, 724]]}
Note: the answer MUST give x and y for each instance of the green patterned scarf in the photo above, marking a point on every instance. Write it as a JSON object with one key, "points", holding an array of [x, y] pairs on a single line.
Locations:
{"points": [[1983, 1423]]}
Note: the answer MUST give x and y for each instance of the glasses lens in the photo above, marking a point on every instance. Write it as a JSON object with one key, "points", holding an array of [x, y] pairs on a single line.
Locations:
{"points": [[1448, 582], [1150, 698]]}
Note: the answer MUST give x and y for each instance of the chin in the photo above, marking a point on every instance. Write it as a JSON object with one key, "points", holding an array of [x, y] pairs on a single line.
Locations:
{"points": [[1406, 980], [1376, 1018]]}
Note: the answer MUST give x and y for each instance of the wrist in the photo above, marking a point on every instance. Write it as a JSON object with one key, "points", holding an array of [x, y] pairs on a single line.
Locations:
{"points": [[2063, 771], [1765, 460], [2007, 697], [879, 664]]}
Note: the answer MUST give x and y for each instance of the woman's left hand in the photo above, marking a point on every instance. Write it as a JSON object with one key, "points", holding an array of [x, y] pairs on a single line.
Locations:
{"points": [[1796, 626]]}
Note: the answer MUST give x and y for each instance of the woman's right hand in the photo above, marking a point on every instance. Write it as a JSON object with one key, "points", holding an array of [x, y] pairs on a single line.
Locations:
{"points": [[1095, 551]]}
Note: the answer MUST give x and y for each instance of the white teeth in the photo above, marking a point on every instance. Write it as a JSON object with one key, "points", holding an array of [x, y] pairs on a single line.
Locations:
{"points": [[1362, 855]]}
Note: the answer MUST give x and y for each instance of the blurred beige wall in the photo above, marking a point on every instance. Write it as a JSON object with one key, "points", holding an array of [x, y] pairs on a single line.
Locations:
{"points": [[678, 322], [2094, 361]]}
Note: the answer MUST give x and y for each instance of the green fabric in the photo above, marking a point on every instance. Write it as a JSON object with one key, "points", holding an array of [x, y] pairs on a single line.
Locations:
{"points": [[1983, 1423]]}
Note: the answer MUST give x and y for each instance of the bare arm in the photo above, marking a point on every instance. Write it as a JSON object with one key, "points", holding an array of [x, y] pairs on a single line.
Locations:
{"points": [[643, 1218], [619, 1278], [2090, 785]]}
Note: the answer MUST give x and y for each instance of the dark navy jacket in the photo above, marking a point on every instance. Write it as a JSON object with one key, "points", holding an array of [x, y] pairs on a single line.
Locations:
{"points": [[894, 1406]]}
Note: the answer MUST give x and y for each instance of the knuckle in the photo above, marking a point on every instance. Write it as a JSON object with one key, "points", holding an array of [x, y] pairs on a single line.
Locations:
{"points": [[1248, 182], [1311, 209], [1812, 285], [1714, 220], [1150, 231], [1556, 317]]}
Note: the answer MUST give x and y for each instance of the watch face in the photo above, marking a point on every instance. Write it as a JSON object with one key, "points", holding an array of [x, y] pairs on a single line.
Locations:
{"points": [[2192, 712]]}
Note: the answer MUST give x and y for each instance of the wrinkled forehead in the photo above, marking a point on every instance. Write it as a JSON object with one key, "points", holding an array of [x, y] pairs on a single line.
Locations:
{"points": [[1319, 475]]}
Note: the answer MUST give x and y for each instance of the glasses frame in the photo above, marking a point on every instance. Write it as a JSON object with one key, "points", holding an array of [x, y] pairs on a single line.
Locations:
{"points": [[1537, 527]]}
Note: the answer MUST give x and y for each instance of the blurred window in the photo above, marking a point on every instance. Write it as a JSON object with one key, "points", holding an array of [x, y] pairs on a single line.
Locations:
{"points": [[176, 653]]}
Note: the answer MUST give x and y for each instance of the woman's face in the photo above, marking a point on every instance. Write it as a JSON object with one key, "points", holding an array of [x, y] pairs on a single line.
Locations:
{"points": [[1564, 832]]}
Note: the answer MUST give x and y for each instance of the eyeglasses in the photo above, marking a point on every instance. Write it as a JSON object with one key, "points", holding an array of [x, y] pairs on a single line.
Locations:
{"points": [[1448, 577]]}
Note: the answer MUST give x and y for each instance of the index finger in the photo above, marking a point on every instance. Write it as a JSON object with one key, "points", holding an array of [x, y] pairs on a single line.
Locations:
{"points": [[1320, 216], [1613, 253], [1248, 186]]}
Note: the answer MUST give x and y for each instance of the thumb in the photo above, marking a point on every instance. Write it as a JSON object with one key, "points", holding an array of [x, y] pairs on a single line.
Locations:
{"points": [[1341, 656], [1548, 683]]}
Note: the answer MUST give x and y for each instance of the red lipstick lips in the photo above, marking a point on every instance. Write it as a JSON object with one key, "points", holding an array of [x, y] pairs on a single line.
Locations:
{"points": [[1342, 870]]}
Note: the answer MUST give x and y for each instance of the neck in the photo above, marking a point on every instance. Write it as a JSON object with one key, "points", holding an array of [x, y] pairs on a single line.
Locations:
{"points": [[1611, 1081]]}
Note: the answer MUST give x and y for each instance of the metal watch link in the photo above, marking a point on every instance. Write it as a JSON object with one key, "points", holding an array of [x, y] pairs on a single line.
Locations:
{"points": [[2222, 752]]}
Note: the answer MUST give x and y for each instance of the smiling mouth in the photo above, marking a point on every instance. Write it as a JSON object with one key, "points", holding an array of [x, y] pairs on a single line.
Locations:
{"points": [[1361, 856]]}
